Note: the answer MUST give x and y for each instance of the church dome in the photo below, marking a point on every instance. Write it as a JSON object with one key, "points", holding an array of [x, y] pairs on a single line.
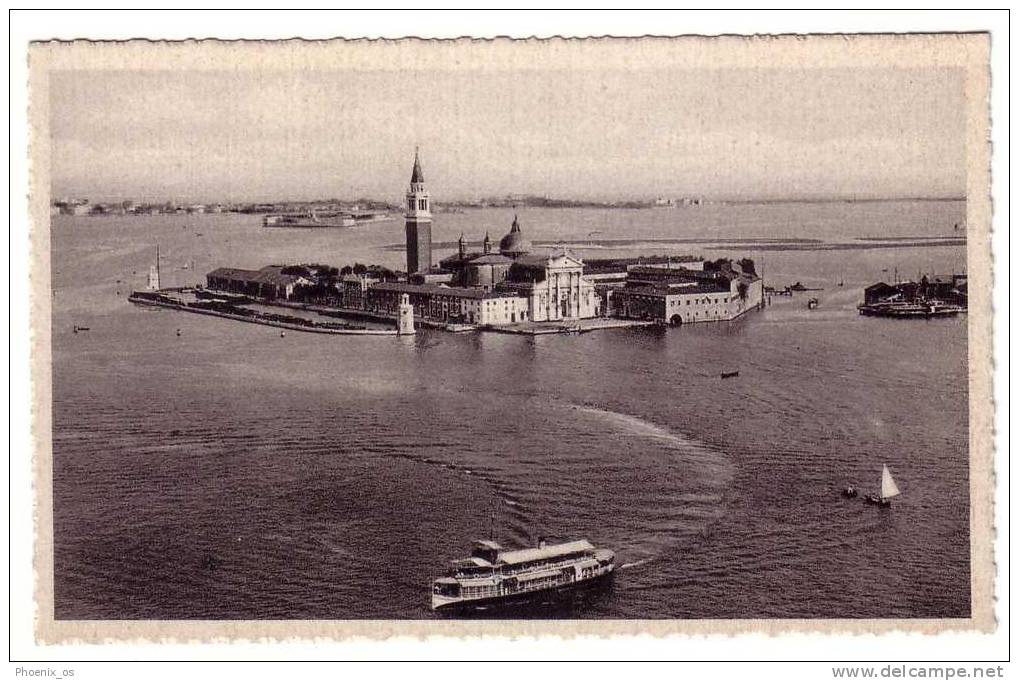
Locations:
{"points": [[514, 243]]}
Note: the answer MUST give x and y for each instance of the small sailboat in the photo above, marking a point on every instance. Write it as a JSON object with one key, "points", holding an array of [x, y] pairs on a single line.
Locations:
{"points": [[154, 273], [888, 489]]}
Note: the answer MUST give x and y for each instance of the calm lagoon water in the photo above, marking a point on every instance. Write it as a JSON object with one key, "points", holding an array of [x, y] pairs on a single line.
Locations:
{"points": [[231, 473]]}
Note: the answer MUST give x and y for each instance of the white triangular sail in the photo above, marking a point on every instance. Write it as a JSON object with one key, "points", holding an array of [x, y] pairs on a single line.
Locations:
{"points": [[888, 487], [154, 273], [153, 278]]}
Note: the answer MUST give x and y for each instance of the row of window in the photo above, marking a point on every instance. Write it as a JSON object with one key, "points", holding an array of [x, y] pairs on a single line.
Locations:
{"points": [[700, 301], [543, 582], [529, 585], [479, 591]]}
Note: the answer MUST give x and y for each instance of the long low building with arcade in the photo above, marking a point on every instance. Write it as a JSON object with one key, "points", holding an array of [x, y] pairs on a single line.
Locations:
{"points": [[720, 290]]}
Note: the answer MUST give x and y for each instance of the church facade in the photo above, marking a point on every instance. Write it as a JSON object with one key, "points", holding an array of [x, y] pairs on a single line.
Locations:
{"points": [[510, 286], [554, 286]]}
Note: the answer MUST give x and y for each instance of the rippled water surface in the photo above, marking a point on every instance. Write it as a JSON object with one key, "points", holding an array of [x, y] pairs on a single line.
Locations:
{"points": [[231, 473]]}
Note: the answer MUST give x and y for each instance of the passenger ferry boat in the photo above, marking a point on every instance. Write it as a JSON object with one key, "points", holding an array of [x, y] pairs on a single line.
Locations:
{"points": [[493, 576]]}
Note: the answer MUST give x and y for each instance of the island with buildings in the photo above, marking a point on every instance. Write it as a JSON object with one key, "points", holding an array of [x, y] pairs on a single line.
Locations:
{"points": [[939, 295], [505, 286]]}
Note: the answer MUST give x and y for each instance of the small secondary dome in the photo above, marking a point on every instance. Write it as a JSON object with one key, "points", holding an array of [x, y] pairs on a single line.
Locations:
{"points": [[514, 243]]}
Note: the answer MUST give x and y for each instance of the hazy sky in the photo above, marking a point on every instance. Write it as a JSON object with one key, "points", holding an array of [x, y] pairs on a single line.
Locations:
{"points": [[608, 134]]}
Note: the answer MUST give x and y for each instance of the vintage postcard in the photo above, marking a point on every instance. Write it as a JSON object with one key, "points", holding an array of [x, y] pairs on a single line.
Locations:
{"points": [[544, 337]]}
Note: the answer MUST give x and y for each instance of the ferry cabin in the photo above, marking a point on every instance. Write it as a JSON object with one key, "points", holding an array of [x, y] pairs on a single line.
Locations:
{"points": [[491, 572]]}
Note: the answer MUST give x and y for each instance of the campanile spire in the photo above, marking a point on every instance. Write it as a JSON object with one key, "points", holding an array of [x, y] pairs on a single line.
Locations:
{"points": [[416, 176]]}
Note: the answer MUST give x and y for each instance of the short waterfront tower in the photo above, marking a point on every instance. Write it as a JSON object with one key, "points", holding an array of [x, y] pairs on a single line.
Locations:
{"points": [[405, 324]]}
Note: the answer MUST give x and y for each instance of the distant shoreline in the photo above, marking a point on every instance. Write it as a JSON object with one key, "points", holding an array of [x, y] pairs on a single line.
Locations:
{"points": [[863, 245], [649, 204], [948, 199], [759, 244], [464, 205]]}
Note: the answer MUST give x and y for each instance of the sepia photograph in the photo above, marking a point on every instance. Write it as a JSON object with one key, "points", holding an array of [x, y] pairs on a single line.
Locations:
{"points": [[677, 334]]}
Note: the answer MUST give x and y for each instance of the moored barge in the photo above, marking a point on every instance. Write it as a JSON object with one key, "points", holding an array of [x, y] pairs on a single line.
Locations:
{"points": [[493, 577], [910, 310]]}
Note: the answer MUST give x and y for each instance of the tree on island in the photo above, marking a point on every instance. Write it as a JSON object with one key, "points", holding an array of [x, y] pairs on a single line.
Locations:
{"points": [[296, 270], [377, 271]]}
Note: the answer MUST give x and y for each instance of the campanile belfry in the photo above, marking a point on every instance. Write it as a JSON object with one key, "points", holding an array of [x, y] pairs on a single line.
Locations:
{"points": [[419, 222]]}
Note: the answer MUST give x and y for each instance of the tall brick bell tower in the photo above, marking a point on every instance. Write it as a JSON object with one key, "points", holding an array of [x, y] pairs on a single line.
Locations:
{"points": [[419, 223]]}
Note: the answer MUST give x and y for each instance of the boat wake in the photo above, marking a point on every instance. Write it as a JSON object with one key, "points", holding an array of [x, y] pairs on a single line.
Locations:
{"points": [[684, 494], [665, 491], [634, 424], [636, 563], [701, 456], [514, 515]]}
